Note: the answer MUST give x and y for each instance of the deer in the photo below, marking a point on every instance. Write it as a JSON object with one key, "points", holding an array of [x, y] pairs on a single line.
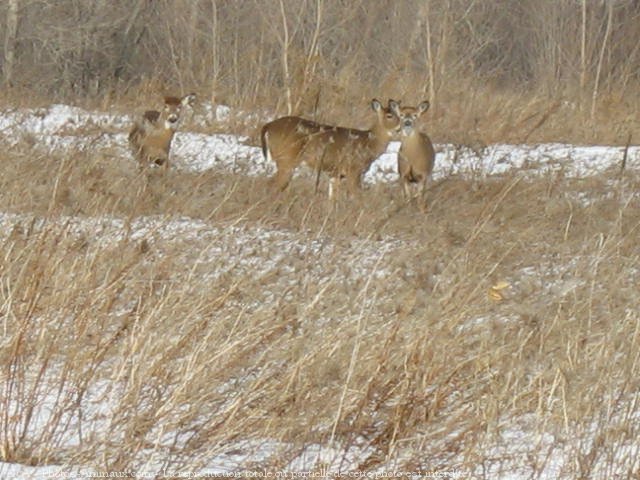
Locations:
{"points": [[341, 152], [151, 135], [416, 157]]}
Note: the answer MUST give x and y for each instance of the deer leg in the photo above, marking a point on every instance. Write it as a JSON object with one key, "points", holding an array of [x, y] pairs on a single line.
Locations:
{"points": [[282, 178], [424, 188], [353, 183], [333, 187], [406, 190]]}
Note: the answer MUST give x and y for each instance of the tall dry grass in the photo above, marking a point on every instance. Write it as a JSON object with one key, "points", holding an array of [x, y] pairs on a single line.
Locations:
{"points": [[496, 70], [270, 325]]}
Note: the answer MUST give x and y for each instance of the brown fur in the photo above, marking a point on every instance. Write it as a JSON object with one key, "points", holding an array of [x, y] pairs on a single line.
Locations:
{"points": [[151, 135], [340, 152], [416, 157]]}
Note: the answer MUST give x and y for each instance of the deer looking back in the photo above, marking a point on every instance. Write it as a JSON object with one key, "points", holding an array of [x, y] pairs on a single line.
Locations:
{"points": [[151, 135], [343, 153]]}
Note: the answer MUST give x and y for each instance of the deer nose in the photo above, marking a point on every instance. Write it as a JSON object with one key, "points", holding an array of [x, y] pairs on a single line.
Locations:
{"points": [[173, 118], [408, 123]]}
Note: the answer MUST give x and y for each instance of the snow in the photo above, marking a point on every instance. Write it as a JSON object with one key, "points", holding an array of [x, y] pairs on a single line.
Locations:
{"points": [[61, 127], [23, 472], [249, 249]]}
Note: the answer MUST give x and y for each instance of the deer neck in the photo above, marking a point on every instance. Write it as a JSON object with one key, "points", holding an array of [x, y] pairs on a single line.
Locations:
{"points": [[378, 140], [411, 139], [162, 137]]}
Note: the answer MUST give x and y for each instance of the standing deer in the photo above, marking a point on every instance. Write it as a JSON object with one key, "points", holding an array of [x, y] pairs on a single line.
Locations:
{"points": [[151, 135], [416, 157], [340, 152]]}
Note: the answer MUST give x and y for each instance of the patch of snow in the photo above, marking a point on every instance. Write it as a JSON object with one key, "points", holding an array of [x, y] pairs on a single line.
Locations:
{"points": [[571, 160], [17, 471], [257, 252], [199, 152], [215, 250], [61, 127], [209, 112]]}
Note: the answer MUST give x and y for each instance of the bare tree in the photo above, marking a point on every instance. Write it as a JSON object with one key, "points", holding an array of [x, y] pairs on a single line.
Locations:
{"points": [[313, 57], [130, 39], [11, 35], [603, 48], [285, 41]]}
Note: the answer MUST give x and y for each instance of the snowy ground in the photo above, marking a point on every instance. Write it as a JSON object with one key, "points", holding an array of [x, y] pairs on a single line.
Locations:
{"points": [[59, 128]]}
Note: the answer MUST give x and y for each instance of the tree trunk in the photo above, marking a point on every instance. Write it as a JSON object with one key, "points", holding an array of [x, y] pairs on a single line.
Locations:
{"points": [[215, 58], [430, 58], [596, 87], [129, 41], [10, 42]]}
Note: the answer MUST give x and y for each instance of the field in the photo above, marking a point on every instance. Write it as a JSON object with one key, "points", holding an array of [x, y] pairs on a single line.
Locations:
{"points": [[199, 323]]}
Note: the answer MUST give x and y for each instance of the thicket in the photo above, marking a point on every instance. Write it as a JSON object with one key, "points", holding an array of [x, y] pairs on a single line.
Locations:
{"points": [[537, 62]]}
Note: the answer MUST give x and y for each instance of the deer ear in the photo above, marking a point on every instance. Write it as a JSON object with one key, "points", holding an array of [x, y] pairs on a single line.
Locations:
{"points": [[189, 100], [376, 105], [394, 106], [423, 107]]}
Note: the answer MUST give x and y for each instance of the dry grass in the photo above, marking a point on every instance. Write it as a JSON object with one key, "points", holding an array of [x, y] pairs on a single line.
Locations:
{"points": [[282, 322], [467, 113]]}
